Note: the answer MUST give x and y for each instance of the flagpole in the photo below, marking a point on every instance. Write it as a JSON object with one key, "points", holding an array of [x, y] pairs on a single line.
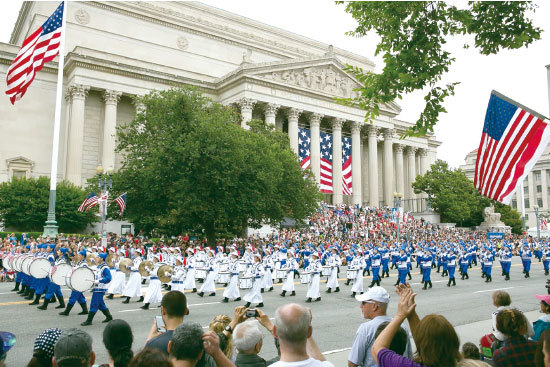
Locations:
{"points": [[520, 188], [50, 229]]}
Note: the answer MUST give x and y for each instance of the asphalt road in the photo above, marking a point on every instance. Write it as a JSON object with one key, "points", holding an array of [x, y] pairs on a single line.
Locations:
{"points": [[335, 318]]}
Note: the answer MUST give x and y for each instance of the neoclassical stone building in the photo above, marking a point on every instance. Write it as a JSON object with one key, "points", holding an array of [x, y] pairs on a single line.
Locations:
{"points": [[117, 50]]}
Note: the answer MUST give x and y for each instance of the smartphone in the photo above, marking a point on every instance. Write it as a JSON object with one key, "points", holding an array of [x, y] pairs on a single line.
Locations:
{"points": [[252, 312], [161, 328]]}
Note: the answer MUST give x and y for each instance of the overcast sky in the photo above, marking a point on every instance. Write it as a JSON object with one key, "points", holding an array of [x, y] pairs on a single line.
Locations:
{"points": [[520, 74]]}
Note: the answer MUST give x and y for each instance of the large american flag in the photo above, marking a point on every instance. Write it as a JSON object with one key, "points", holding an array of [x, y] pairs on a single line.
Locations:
{"points": [[512, 141], [326, 163], [88, 203], [346, 166], [121, 201], [39, 48], [304, 147]]}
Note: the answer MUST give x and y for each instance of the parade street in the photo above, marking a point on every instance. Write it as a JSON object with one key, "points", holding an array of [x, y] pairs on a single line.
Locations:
{"points": [[335, 318]]}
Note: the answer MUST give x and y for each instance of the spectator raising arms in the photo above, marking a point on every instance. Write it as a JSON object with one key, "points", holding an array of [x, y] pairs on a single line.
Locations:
{"points": [[218, 325], [436, 340], [118, 339], [150, 357], [43, 348]]}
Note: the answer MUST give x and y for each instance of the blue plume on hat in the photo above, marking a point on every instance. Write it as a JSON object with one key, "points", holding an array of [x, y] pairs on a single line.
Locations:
{"points": [[83, 252], [103, 255], [64, 250]]}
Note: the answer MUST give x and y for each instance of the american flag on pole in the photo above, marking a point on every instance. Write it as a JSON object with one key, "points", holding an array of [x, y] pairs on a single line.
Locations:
{"points": [[121, 201], [346, 166], [326, 163], [543, 224], [39, 48], [512, 141], [88, 203], [304, 147]]}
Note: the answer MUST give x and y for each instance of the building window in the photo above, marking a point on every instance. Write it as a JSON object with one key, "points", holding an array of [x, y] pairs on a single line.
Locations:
{"points": [[525, 190], [514, 203], [19, 173], [539, 188], [539, 202], [526, 203], [19, 167], [474, 161], [537, 175], [526, 217]]}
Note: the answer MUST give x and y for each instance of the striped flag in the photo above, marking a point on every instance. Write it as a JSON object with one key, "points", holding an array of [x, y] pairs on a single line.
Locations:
{"points": [[121, 201], [512, 141], [543, 224], [88, 203], [326, 163], [346, 166], [304, 147], [39, 48]]}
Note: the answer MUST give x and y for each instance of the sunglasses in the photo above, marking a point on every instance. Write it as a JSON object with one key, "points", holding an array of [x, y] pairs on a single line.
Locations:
{"points": [[365, 302]]}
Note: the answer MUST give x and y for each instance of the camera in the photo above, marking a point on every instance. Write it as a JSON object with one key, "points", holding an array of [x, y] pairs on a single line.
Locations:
{"points": [[252, 312]]}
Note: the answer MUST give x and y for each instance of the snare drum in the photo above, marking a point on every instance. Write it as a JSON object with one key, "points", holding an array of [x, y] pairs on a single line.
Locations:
{"points": [[351, 273], [18, 261], [40, 267], [199, 264], [280, 274], [201, 273], [26, 263], [224, 267], [326, 271], [245, 282], [223, 277], [59, 272], [241, 266], [80, 279], [305, 278]]}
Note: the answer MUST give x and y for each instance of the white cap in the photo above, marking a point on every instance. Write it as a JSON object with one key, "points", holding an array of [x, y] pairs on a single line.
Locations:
{"points": [[378, 294]]}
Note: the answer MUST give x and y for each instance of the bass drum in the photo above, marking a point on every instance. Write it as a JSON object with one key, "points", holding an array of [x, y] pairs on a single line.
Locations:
{"points": [[58, 273], [80, 279], [26, 264], [6, 262], [17, 261], [40, 267]]}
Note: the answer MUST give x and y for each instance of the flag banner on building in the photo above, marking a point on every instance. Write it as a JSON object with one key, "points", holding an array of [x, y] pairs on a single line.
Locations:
{"points": [[304, 145], [346, 166], [326, 163], [121, 201], [39, 48], [90, 201], [543, 224], [512, 141]]}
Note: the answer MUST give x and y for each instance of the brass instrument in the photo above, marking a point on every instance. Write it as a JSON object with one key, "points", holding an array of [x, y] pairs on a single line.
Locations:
{"points": [[165, 273], [145, 268], [92, 259], [125, 265], [110, 261]]}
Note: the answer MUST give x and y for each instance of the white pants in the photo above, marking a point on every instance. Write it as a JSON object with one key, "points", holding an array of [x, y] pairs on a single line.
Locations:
{"points": [[332, 281], [313, 287], [153, 294], [232, 289], [133, 287], [267, 279], [254, 295], [178, 286], [190, 279], [117, 284], [288, 285], [358, 282], [209, 285]]}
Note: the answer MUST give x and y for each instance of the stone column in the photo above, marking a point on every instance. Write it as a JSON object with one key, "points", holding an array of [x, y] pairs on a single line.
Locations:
{"points": [[337, 160], [411, 160], [76, 133], [65, 141], [544, 183], [111, 99], [356, 162], [399, 172], [270, 113], [388, 167], [365, 168], [293, 114], [372, 134], [423, 161], [315, 148], [532, 197], [247, 105]]}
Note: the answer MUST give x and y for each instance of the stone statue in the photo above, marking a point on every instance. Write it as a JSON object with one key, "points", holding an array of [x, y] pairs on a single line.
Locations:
{"points": [[490, 217]]}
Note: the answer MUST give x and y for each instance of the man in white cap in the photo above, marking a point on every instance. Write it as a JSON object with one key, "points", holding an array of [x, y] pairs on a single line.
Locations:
{"points": [[374, 304]]}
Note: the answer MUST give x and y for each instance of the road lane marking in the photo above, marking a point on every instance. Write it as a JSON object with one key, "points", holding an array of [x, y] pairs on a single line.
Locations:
{"points": [[336, 351], [492, 290]]}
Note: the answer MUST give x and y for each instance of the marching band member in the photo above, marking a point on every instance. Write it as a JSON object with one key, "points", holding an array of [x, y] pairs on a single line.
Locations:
{"points": [[464, 262], [376, 261], [189, 282], [133, 287], [526, 256], [209, 285], [39, 286], [254, 295], [334, 262], [546, 258], [77, 296], [119, 279], [357, 263], [154, 293], [232, 289], [179, 275], [314, 267], [451, 266], [267, 279], [290, 266], [487, 260], [102, 280], [402, 268], [426, 261], [506, 256], [53, 290]]}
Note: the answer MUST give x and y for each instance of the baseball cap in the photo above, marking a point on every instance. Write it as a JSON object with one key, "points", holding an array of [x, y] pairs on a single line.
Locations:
{"points": [[73, 344], [377, 293], [8, 341], [544, 297], [46, 341]]}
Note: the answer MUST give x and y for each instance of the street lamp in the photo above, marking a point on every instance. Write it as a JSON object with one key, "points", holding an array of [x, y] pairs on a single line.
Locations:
{"points": [[536, 207], [104, 183], [397, 204]]}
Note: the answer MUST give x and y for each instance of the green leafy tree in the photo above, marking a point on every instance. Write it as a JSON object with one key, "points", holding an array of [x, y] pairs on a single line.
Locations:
{"points": [[24, 205], [189, 166], [413, 35]]}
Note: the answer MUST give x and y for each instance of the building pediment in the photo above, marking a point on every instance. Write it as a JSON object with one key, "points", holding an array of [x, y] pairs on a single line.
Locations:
{"points": [[19, 161]]}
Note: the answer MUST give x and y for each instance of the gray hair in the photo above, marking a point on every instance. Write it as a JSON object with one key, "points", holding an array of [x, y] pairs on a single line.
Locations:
{"points": [[187, 342], [247, 335], [292, 328]]}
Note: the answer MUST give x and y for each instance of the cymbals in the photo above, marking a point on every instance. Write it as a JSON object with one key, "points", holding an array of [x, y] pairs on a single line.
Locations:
{"points": [[165, 273], [145, 268], [110, 260], [92, 259], [125, 265]]}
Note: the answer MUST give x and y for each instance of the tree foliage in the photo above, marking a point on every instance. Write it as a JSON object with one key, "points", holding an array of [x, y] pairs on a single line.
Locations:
{"points": [[413, 35], [456, 199], [24, 205], [189, 166]]}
